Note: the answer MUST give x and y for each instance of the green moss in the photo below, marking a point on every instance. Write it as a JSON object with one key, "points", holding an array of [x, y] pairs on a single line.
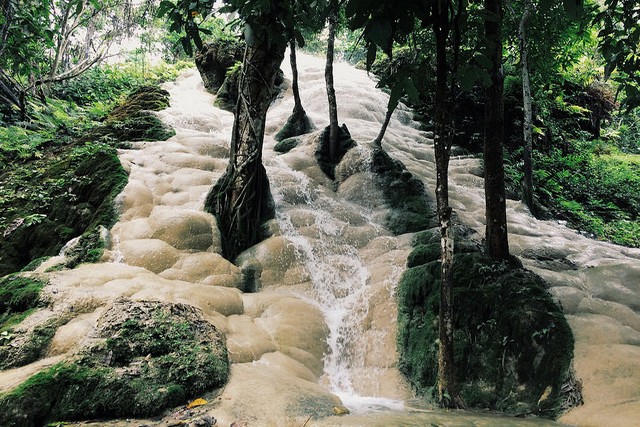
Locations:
{"points": [[34, 264], [150, 98], [286, 145], [404, 193], [19, 294], [73, 193], [297, 124], [138, 126], [22, 348], [132, 120], [322, 153], [152, 356], [512, 342]]}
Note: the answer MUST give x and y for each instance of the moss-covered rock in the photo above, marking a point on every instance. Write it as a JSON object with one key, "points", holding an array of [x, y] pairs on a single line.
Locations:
{"points": [[513, 346], [132, 120], [148, 356], [412, 209], [73, 194], [322, 153], [143, 98], [22, 345], [298, 123], [286, 145], [70, 191], [215, 58], [19, 297]]}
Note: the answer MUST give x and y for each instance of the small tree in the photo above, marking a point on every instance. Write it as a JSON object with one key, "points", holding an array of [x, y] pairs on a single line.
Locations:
{"points": [[298, 122], [334, 129]]}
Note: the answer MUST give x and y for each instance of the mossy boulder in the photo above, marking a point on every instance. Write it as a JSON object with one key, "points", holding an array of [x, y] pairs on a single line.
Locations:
{"points": [[20, 296], [72, 194], [513, 346], [298, 123], [214, 60], [133, 120], [146, 357], [286, 145], [323, 153], [412, 209]]}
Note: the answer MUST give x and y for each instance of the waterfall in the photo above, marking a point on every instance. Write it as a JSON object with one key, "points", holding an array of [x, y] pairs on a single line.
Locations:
{"points": [[320, 332]]}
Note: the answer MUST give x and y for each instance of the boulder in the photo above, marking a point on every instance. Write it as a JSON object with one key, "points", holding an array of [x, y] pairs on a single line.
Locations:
{"points": [[215, 58]]}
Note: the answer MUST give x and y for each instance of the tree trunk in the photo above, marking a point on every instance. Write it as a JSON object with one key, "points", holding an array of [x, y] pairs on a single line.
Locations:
{"points": [[497, 244], [383, 129], [331, 93], [526, 101], [447, 387], [11, 93], [88, 39], [297, 106], [241, 199], [298, 122], [62, 42]]}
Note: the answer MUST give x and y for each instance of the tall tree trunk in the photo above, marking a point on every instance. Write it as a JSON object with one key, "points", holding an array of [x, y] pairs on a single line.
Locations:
{"points": [[298, 122], [88, 39], [297, 106], [497, 244], [241, 199], [63, 40], [447, 387], [331, 93], [526, 101], [7, 9]]}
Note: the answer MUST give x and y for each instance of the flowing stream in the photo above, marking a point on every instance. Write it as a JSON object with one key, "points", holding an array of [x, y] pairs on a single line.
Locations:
{"points": [[320, 333]]}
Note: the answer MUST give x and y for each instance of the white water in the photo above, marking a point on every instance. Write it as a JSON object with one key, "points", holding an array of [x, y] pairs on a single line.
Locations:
{"points": [[324, 322]]}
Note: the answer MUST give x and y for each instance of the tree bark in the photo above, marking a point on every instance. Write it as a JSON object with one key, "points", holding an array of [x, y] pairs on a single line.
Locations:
{"points": [[526, 102], [447, 387], [331, 93], [298, 122], [241, 199], [496, 239], [383, 129], [294, 76]]}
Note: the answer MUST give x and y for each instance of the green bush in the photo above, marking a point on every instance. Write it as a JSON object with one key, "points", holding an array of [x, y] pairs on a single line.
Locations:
{"points": [[597, 194]]}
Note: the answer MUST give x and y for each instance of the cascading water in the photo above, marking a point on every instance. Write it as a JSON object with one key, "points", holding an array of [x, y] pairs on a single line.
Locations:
{"points": [[340, 284], [323, 322]]}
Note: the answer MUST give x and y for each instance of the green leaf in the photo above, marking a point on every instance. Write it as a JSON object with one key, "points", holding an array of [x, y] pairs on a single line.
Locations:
{"points": [[379, 31], [410, 88], [573, 8], [186, 45], [164, 7]]}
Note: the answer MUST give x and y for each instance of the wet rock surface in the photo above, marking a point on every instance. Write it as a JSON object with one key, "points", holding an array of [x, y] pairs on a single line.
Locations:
{"points": [[142, 358]]}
